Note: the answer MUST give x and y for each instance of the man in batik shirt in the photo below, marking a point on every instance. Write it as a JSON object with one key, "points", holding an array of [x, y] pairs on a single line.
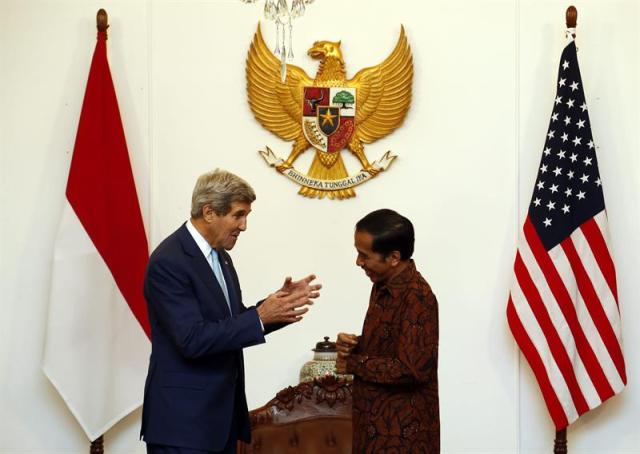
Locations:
{"points": [[395, 360]]}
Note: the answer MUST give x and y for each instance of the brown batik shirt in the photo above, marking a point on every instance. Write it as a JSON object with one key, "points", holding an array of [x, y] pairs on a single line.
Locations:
{"points": [[395, 368]]}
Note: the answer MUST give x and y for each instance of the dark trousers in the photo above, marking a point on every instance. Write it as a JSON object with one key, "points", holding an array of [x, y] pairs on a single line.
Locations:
{"points": [[230, 447]]}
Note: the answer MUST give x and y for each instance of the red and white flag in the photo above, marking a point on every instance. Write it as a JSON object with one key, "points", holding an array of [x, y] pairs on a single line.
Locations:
{"points": [[563, 308], [97, 347]]}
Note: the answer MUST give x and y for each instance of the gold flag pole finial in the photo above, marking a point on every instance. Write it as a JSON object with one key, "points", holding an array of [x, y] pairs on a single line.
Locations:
{"points": [[572, 18], [102, 20]]}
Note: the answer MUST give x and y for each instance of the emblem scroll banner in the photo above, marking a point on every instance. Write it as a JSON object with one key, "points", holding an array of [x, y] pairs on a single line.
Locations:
{"points": [[328, 185]]}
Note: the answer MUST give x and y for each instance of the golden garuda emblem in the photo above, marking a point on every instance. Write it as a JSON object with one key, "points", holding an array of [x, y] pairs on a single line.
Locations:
{"points": [[329, 113]]}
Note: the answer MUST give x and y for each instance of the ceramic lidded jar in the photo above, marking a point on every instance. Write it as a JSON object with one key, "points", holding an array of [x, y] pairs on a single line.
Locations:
{"points": [[323, 362]]}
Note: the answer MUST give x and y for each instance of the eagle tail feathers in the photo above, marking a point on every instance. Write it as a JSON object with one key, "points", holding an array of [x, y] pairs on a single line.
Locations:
{"points": [[327, 166]]}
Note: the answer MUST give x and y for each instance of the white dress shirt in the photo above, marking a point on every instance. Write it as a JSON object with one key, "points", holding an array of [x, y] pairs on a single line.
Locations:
{"points": [[212, 258]]}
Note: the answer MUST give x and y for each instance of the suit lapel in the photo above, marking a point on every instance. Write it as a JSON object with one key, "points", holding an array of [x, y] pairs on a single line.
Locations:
{"points": [[201, 266]]}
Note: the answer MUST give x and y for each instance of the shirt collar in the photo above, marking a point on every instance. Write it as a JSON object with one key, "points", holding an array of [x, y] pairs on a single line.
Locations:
{"points": [[398, 283], [202, 243]]}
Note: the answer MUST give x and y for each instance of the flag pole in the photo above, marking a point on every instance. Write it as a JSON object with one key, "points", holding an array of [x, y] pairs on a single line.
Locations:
{"points": [[560, 442], [97, 446], [102, 23]]}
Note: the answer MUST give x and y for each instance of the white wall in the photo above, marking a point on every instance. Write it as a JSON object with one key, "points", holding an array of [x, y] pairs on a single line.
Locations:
{"points": [[483, 90]]}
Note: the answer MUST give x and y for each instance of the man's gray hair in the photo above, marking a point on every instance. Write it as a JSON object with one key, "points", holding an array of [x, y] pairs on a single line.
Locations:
{"points": [[219, 189]]}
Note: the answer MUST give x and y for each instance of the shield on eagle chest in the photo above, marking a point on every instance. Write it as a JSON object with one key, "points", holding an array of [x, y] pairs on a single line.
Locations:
{"points": [[328, 116]]}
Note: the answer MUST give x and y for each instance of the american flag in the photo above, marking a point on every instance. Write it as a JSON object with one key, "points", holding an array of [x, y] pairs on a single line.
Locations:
{"points": [[563, 307]]}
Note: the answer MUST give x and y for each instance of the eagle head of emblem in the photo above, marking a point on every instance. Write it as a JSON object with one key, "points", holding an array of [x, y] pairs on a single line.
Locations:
{"points": [[325, 49]]}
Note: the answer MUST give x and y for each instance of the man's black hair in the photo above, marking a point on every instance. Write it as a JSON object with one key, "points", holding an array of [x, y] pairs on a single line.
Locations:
{"points": [[390, 231]]}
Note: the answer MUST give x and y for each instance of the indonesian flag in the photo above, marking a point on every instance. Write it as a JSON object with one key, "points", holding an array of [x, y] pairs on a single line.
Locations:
{"points": [[97, 346]]}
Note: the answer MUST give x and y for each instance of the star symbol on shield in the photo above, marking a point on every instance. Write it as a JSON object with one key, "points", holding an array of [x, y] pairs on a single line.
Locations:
{"points": [[327, 117]]}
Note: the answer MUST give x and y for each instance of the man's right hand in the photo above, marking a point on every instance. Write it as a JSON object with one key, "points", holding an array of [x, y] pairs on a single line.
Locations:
{"points": [[283, 307]]}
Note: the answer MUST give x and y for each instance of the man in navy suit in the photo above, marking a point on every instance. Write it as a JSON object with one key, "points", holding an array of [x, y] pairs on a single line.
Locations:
{"points": [[194, 399]]}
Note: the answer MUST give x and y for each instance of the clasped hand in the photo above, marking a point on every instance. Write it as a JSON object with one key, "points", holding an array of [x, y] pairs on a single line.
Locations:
{"points": [[345, 345], [288, 304]]}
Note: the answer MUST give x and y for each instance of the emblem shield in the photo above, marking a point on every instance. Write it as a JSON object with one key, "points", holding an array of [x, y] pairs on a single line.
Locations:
{"points": [[328, 116]]}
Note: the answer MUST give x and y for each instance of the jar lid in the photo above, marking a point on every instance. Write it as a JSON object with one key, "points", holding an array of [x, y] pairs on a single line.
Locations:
{"points": [[325, 346]]}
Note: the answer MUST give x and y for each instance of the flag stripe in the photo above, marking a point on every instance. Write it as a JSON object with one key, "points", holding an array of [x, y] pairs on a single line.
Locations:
{"points": [[549, 366], [592, 300], [609, 377], [559, 288], [597, 279], [594, 305], [555, 346], [101, 188], [598, 245], [537, 366], [561, 325]]}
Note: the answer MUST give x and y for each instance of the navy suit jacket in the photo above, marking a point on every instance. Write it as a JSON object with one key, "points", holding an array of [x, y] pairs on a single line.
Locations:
{"points": [[195, 383]]}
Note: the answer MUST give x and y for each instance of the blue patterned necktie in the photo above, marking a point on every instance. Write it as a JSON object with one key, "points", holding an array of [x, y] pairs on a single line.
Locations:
{"points": [[214, 262]]}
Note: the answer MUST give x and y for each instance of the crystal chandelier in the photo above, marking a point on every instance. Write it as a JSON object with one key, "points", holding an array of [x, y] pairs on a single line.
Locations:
{"points": [[279, 12]]}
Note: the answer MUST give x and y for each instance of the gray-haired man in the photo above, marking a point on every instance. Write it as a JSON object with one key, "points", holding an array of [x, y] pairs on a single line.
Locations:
{"points": [[194, 395]]}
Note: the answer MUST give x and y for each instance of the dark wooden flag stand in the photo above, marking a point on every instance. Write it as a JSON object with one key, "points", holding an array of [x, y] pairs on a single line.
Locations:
{"points": [[97, 445]]}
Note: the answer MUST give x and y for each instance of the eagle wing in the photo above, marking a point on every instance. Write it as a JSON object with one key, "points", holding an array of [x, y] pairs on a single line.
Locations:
{"points": [[276, 105], [384, 93]]}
